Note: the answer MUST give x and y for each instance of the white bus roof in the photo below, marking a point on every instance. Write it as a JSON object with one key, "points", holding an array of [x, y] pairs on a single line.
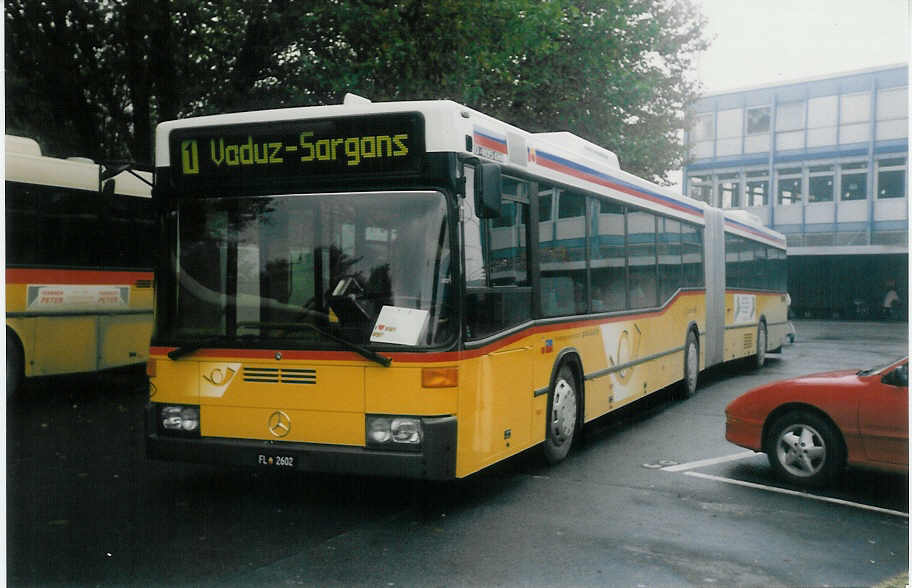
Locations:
{"points": [[25, 163], [560, 157]]}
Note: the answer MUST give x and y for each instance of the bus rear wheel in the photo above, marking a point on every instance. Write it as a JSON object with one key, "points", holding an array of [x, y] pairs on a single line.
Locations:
{"points": [[563, 416], [691, 366], [760, 358]]}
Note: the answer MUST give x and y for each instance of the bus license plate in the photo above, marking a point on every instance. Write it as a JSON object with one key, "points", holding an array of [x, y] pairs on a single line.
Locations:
{"points": [[276, 461]]}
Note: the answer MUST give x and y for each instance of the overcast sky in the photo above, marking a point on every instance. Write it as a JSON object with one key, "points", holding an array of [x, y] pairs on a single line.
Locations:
{"points": [[756, 42]]}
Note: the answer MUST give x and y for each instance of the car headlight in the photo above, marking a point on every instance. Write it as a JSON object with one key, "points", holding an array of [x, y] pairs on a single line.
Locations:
{"points": [[179, 419], [394, 432]]}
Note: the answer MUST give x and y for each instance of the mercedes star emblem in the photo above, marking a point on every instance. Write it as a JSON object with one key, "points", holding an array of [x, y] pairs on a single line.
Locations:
{"points": [[279, 424]]}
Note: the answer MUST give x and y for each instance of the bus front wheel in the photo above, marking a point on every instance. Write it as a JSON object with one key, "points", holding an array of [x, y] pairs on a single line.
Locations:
{"points": [[563, 416], [14, 366]]}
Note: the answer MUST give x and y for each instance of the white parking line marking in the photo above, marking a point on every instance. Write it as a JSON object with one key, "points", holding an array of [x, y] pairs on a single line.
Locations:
{"points": [[794, 493], [684, 467], [708, 462]]}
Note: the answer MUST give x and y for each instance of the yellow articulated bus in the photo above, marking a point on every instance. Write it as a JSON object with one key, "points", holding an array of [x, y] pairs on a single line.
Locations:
{"points": [[79, 264], [415, 289]]}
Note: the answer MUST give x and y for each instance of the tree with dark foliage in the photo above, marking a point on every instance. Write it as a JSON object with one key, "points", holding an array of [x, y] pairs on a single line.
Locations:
{"points": [[93, 78]]}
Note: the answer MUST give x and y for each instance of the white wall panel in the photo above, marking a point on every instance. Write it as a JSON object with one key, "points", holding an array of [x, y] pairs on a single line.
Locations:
{"points": [[728, 147], [893, 104], [853, 211], [892, 129], [788, 215], [821, 137], [822, 111], [855, 107], [790, 140], [703, 149], [891, 209], [820, 212], [857, 133], [730, 123], [757, 143]]}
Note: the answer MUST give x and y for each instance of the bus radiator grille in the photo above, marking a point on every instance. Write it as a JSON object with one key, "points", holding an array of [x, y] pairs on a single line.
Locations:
{"points": [[280, 375]]}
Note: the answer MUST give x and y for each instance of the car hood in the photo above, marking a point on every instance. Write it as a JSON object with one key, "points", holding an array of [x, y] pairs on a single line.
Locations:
{"points": [[823, 377], [763, 398]]}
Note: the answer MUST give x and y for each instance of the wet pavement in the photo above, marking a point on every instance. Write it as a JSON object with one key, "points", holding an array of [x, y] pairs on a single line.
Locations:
{"points": [[85, 507]]}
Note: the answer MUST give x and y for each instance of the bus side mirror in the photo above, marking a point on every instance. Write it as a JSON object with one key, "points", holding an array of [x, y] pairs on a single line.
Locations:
{"points": [[107, 187], [488, 190]]}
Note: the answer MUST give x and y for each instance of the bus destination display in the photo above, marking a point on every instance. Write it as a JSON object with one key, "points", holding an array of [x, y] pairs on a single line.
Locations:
{"points": [[279, 152]]}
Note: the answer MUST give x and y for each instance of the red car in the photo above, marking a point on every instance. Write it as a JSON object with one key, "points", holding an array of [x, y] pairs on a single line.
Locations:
{"points": [[813, 426]]}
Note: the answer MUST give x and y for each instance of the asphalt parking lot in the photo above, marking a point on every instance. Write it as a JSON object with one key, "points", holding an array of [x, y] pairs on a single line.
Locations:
{"points": [[652, 496]]}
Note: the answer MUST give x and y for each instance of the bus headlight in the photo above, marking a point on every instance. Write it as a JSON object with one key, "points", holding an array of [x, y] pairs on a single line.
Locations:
{"points": [[179, 419], [406, 431], [378, 430], [394, 432]]}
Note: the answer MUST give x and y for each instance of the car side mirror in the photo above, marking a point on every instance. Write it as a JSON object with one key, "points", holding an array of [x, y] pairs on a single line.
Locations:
{"points": [[898, 377]]}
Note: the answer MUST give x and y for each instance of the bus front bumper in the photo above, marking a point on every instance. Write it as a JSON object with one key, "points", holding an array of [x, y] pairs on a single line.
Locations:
{"points": [[435, 461]]}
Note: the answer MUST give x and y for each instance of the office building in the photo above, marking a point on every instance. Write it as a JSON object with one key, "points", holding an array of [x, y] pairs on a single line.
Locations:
{"points": [[824, 161]]}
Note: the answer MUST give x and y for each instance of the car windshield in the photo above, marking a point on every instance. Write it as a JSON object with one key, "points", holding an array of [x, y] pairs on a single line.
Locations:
{"points": [[876, 370], [313, 270]]}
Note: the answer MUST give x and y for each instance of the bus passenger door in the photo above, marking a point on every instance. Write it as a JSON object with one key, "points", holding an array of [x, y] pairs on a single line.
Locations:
{"points": [[507, 383], [498, 302]]}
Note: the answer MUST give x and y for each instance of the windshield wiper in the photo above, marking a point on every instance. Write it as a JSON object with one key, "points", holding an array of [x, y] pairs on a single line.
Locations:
{"points": [[191, 347], [362, 351], [208, 342]]}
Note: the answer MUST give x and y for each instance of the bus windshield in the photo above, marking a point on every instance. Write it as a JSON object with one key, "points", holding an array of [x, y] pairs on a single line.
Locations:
{"points": [[309, 271]]}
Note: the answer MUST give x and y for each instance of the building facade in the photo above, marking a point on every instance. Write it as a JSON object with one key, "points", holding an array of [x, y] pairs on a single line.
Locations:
{"points": [[824, 161]]}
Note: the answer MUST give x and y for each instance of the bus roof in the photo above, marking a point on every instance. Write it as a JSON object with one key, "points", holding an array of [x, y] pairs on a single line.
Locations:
{"points": [[25, 163], [561, 157]]}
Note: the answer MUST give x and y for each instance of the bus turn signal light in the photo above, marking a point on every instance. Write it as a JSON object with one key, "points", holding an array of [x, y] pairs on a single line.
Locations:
{"points": [[446, 377], [151, 367]]}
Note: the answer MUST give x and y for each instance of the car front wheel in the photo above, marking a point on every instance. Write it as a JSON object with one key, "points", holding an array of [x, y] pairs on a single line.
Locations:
{"points": [[804, 448]]}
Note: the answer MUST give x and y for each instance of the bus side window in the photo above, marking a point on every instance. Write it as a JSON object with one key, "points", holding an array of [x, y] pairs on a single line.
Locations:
{"points": [[760, 279], [780, 280], [21, 224], [131, 233], [562, 250], [608, 256], [498, 294], [641, 258], [67, 218], [692, 249], [145, 238], [473, 248], [119, 233], [670, 268], [545, 196], [732, 261]]}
